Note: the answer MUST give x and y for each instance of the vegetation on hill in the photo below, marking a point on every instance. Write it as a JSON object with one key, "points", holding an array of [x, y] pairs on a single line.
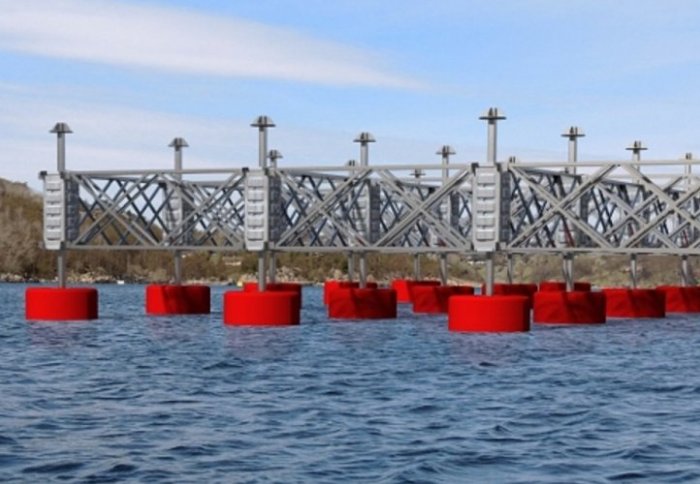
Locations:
{"points": [[22, 258]]}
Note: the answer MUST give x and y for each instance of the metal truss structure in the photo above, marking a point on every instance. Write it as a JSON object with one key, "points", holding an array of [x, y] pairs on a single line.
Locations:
{"points": [[617, 207]]}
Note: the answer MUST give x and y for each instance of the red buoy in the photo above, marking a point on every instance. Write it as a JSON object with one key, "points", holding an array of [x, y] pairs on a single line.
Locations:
{"points": [[575, 307], [60, 303], [403, 288], [331, 285], [634, 303], [434, 299], [267, 308], [275, 286], [561, 286], [489, 314], [352, 303], [177, 299], [681, 299]]}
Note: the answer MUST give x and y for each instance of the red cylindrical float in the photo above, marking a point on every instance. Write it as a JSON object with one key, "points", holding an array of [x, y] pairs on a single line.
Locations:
{"points": [[403, 288], [435, 299], [352, 303], [575, 307], [177, 299], [634, 303], [275, 287], [60, 303], [267, 308], [489, 314], [331, 285], [681, 299], [561, 286]]}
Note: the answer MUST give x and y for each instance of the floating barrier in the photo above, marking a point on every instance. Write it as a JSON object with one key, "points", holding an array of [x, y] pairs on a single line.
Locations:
{"points": [[634, 303], [266, 308], [276, 287], [403, 288], [331, 285], [574, 307], [435, 299], [177, 299], [681, 299], [60, 303], [489, 313], [355, 303], [561, 286]]}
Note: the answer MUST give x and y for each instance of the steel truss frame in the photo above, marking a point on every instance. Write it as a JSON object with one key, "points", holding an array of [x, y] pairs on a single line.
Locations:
{"points": [[607, 207]]}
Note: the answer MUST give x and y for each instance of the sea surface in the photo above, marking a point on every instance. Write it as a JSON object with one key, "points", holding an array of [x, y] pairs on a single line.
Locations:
{"points": [[186, 399]]}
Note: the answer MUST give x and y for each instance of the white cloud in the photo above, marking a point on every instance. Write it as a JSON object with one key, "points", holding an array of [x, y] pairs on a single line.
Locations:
{"points": [[184, 41]]}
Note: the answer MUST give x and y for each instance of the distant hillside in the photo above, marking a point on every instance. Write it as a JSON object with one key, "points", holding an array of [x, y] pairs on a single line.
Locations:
{"points": [[21, 258]]}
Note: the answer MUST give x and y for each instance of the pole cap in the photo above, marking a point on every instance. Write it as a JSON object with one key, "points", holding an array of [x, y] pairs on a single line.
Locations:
{"points": [[364, 137], [636, 146], [574, 132], [263, 122], [178, 143], [493, 114], [61, 128], [446, 150]]}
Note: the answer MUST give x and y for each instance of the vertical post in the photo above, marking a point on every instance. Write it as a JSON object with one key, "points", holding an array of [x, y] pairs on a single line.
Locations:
{"points": [[262, 123], [351, 266], [351, 254], [273, 155], [492, 116], [510, 268], [177, 144], [636, 149], [61, 130], [417, 275], [686, 271], [445, 152], [364, 139], [573, 134], [443, 269]]}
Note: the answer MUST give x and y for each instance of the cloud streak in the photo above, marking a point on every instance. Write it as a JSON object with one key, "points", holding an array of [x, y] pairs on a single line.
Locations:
{"points": [[187, 42]]}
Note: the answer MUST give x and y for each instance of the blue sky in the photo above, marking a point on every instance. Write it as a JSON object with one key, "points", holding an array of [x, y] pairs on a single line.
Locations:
{"points": [[129, 76]]}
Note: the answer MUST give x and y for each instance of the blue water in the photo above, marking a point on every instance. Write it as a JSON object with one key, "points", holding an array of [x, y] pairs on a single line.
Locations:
{"points": [[186, 399]]}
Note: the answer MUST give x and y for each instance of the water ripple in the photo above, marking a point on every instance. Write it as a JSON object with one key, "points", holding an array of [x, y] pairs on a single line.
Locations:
{"points": [[135, 398]]}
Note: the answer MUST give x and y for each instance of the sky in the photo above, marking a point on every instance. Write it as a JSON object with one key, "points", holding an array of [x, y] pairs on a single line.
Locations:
{"points": [[128, 76]]}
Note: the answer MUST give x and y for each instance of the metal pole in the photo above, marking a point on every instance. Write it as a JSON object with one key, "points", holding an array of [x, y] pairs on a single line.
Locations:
{"points": [[633, 271], [510, 268], [351, 267], [445, 152], [177, 144], [363, 270], [61, 130], [492, 116], [568, 270], [636, 149], [443, 269], [686, 272], [273, 155], [573, 134], [416, 267], [364, 139], [262, 123], [489, 273]]}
